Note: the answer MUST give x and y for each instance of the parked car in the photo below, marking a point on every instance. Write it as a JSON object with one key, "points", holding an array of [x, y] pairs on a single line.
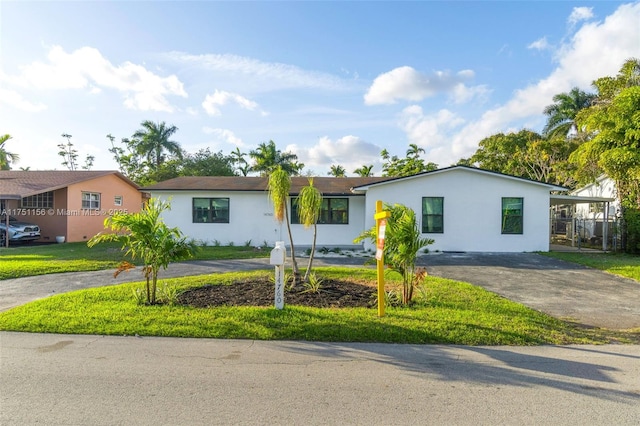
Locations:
{"points": [[18, 231]]}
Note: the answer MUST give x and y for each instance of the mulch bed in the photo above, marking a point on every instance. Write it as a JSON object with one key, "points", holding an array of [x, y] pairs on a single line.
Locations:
{"points": [[260, 291]]}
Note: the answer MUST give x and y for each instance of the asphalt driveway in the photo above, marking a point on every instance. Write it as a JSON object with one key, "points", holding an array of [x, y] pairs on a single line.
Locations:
{"points": [[563, 290]]}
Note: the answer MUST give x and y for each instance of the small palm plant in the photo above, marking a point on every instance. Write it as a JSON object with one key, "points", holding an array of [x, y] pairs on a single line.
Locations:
{"points": [[309, 208], [145, 236], [401, 246]]}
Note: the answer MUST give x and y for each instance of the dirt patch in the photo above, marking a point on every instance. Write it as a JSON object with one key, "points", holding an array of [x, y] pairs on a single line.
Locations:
{"points": [[259, 291]]}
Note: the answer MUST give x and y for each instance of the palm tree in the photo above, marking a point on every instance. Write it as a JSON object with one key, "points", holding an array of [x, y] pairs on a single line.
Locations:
{"points": [[309, 209], [145, 236], [337, 171], [266, 158], [6, 158], [414, 151], [152, 141], [237, 158], [364, 171], [562, 113], [279, 186]]}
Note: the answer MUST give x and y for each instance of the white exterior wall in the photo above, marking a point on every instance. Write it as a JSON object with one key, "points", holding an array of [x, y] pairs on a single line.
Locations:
{"points": [[472, 210], [251, 218], [605, 188]]}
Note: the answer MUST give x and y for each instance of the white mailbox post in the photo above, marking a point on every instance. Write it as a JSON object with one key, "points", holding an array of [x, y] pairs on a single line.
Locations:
{"points": [[278, 255]]}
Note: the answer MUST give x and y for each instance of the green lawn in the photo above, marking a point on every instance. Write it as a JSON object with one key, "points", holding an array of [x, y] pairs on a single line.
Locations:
{"points": [[625, 265], [446, 312], [28, 260]]}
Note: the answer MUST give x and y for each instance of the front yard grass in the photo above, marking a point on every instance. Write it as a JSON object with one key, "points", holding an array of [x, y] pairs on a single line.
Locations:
{"points": [[624, 265], [445, 312], [24, 261]]}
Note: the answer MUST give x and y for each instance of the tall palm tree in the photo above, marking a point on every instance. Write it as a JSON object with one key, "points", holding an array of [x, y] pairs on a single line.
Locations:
{"points": [[267, 158], [309, 210], [6, 158], [562, 113], [364, 171], [337, 171], [414, 151], [279, 185], [153, 141]]}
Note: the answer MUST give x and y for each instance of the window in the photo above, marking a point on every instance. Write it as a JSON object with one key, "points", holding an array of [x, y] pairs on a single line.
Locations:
{"points": [[38, 201], [596, 207], [334, 211], [117, 200], [512, 215], [210, 210], [91, 200], [432, 215]]}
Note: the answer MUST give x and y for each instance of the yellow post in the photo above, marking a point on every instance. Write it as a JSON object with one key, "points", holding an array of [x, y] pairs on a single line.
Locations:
{"points": [[380, 217]]}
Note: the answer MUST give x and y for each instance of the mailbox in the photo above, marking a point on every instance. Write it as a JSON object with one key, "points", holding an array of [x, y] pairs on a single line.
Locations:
{"points": [[278, 254]]}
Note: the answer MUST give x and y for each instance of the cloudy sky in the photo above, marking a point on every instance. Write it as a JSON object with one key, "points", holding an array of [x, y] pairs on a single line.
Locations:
{"points": [[333, 82]]}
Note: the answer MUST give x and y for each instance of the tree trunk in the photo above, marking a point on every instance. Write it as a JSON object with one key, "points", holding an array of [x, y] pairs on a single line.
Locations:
{"points": [[294, 263], [313, 250]]}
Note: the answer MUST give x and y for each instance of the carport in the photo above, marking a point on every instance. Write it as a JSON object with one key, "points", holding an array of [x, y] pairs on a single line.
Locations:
{"points": [[572, 201]]}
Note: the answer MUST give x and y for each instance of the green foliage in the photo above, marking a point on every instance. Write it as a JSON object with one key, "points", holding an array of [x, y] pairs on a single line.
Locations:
{"points": [[562, 113], [152, 141], [337, 171], [279, 185], [407, 166], [402, 243], [145, 236], [6, 158], [309, 208], [267, 158], [313, 284], [364, 170], [70, 155]]}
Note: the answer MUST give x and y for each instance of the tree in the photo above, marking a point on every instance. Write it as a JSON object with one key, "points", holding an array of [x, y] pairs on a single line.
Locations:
{"points": [[410, 165], [267, 158], [402, 242], [130, 163], [152, 141], [614, 122], [238, 160], [206, 163], [6, 158], [70, 155], [279, 185], [337, 171], [309, 208], [364, 171], [562, 113], [145, 236]]}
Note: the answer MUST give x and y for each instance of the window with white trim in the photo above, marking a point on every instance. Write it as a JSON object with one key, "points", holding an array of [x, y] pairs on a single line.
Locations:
{"points": [[91, 200]]}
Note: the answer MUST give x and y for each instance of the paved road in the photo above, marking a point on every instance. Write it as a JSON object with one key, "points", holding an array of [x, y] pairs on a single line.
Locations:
{"points": [[564, 290], [91, 380]]}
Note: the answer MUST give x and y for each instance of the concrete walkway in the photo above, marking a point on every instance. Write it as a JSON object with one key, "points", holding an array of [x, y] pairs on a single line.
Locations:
{"points": [[563, 290]]}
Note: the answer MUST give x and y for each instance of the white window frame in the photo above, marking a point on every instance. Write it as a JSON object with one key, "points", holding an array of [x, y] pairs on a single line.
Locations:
{"points": [[90, 200]]}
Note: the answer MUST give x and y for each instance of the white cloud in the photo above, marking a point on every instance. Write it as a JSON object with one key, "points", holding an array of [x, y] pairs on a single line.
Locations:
{"points": [[272, 75], [224, 135], [406, 83], [219, 98], [15, 100], [86, 68], [350, 152], [595, 50], [540, 44], [580, 14]]}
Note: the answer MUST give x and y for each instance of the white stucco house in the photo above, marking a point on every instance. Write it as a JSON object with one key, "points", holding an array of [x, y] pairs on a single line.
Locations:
{"points": [[461, 208]]}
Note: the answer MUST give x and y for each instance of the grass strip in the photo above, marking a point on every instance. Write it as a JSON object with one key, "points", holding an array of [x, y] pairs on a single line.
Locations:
{"points": [[445, 312]]}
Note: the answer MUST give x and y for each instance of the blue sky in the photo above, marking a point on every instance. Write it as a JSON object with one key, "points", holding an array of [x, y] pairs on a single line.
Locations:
{"points": [[333, 82]]}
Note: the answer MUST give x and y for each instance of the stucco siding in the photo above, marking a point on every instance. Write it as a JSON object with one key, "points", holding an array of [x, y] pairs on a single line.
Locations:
{"points": [[472, 210], [251, 220]]}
